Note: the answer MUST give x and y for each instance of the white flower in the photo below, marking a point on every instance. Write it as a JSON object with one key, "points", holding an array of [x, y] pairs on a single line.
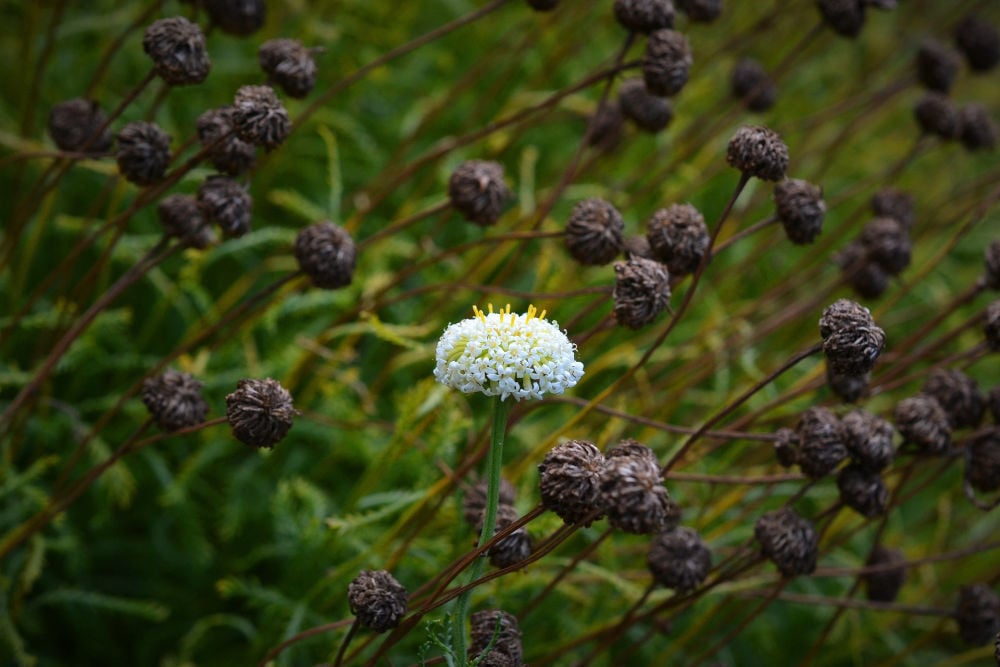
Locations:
{"points": [[506, 354]]}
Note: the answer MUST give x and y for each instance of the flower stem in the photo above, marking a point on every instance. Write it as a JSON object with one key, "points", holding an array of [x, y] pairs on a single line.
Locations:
{"points": [[501, 409]]}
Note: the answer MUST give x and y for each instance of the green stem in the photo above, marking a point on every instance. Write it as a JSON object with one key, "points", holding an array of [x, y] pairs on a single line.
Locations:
{"points": [[501, 409]]}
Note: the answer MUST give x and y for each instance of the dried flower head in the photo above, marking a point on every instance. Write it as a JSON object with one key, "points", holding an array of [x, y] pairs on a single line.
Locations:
{"points": [[983, 461], [991, 325], [73, 126], [991, 276], [477, 191], [887, 243], [667, 63], [633, 495], [863, 490], [143, 153], [377, 599], [958, 394], [993, 401], [979, 42], [181, 216], [259, 117], [893, 203], [937, 115], [649, 112], [226, 151], [642, 291], [507, 354], [845, 17], [786, 447], [605, 127], [237, 17], [701, 11], [937, 65], [849, 388], [678, 237], [289, 64], [174, 400], [513, 548], [821, 442], [758, 151], [260, 412], [751, 83], [325, 252], [977, 614], [865, 276], [227, 203], [570, 481], [788, 540], [884, 585], [801, 209], [851, 340], [644, 15], [679, 559], [490, 622], [632, 447], [979, 131], [594, 232], [638, 246], [923, 422], [868, 439], [475, 499], [177, 49]]}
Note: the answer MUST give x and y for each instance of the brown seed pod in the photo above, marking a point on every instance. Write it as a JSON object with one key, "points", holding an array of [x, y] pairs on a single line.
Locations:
{"points": [[174, 400], [177, 49], [649, 112], [937, 65], [259, 117], [678, 237], [868, 439], [679, 559], [181, 216], [821, 442], [632, 447], [893, 203], [475, 499], [801, 209], [638, 246], [991, 325], [884, 585], [377, 599], [865, 277], [977, 614], [226, 151], [701, 11], [260, 412], [751, 83], [606, 127], [786, 447], [227, 203], [983, 461], [863, 490], [923, 422], [73, 126], [959, 395], [667, 63], [993, 401], [758, 151], [237, 17], [143, 153], [644, 15], [887, 243], [979, 42], [477, 191], [633, 495], [851, 340], [937, 115], [594, 232], [490, 622], [515, 547], [788, 540], [289, 64], [642, 291], [979, 131], [570, 481], [849, 388], [991, 277], [845, 17], [326, 253]]}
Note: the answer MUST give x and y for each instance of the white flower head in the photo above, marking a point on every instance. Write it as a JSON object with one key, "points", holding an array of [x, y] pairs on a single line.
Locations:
{"points": [[507, 354]]}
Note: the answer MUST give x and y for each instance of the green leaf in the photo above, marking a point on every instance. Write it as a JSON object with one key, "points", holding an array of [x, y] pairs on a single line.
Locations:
{"points": [[147, 609]]}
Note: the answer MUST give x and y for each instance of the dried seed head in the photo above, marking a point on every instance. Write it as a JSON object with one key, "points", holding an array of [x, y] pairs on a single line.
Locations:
{"points": [[667, 63], [570, 481], [227, 203], [865, 277], [259, 116], [645, 15], [678, 559], [937, 65], [515, 547], [892, 203], [845, 17], [993, 400], [678, 237], [475, 499], [226, 151], [922, 421], [649, 112], [288, 64], [477, 191], [992, 257], [702, 11], [983, 463], [979, 42], [751, 83], [325, 253], [632, 447], [177, 49], [801, 209], [73, 124], [884, 585], [786, 447], [377, 599], [788, 540], [937, 115], [638, 246], [606, 127], [851, 340], [543, 5], [979, 132], [642, 291], [633, 495], [594, 232], [868, 439], [182, 217], [488, 622], [237, 17], [887, 243], [863, 490], [991, 326], [143, 153], [977, 614], [758, 151], [959, 395], [849, 388], [821, 442], [174, 400], [260, 412]]}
